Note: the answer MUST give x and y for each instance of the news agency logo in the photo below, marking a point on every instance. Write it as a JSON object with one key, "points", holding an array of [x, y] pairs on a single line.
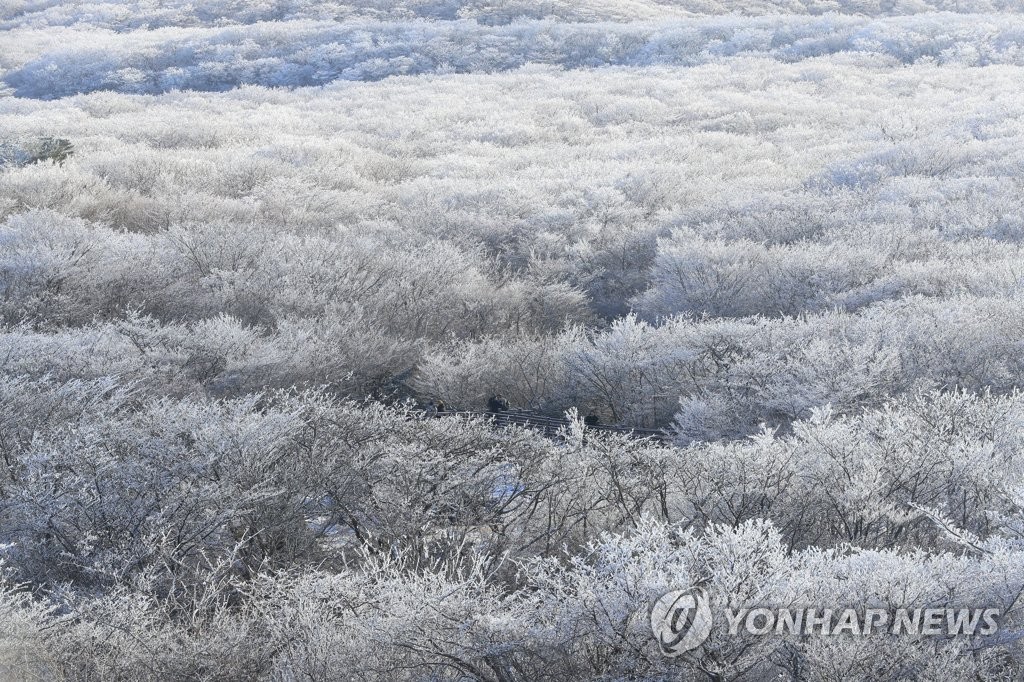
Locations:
{"points": [[681, 621]]}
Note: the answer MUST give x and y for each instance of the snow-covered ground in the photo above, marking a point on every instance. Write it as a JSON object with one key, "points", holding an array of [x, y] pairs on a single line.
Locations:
{"points": [[790, 233]]}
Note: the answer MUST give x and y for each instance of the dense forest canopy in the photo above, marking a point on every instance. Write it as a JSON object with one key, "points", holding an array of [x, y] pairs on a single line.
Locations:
{"points": [[242, 245]]}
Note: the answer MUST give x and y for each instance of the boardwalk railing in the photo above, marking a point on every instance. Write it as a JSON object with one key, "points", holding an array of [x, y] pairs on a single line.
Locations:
{"points": [[550, 426]]}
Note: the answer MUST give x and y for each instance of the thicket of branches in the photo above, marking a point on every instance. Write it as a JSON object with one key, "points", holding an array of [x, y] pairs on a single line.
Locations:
{"points": [[794, 242], [289, 535]]}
